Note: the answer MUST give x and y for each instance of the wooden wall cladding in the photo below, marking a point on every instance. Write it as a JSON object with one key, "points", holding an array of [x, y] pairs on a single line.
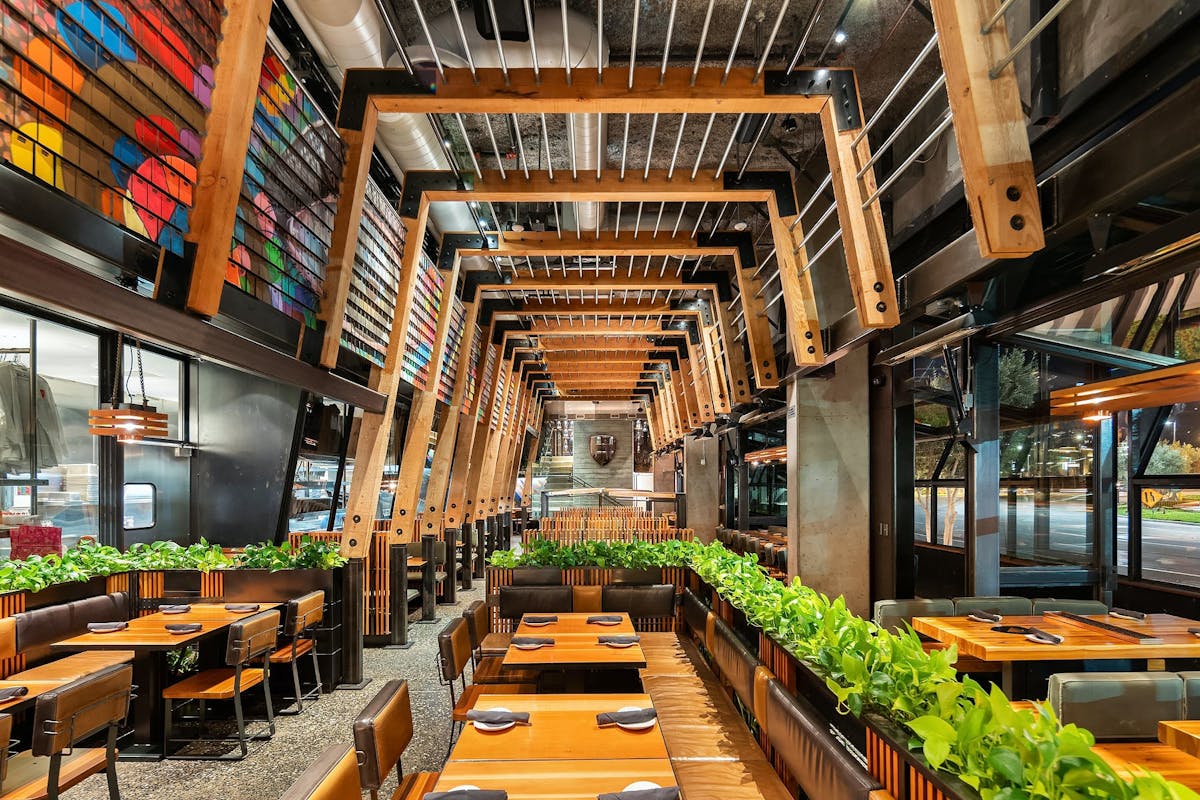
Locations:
{"points": [[453, 356]]}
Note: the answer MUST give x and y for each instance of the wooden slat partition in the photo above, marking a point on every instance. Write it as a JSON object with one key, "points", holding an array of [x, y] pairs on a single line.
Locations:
{"points": [[11, 603], [377, 575], [150, 585]]}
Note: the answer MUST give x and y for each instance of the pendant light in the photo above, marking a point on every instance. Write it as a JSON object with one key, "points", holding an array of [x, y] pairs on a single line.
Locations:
{"points": [[128, 422]]}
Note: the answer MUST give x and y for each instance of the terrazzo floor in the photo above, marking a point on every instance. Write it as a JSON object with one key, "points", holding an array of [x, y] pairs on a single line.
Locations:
{"points": [[272, 766]]}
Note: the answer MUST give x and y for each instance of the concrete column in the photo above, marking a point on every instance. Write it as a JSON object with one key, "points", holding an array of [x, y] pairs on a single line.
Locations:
{"points": [[828, 439], [702, 485]]}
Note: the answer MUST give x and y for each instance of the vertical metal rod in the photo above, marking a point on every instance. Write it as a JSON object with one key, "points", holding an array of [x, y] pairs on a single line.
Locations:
{"points": [[650, 146], [699, 219], [1000, 11], [679, 219], [566, 42], [675, 152], [662, 71], [470, 149], [1034, 32], [633, 43], [700, 49], [703, 144], [600, 42], [537, 72], [798, 56], [625, 147], [491, 4], [903, 124], [729, 147], [637, 221], [930, 139], [520, 146], [462, 36], [720, 216], [546, 142], [900, 84], [437, 60], [762, 129], [495, 149], [571, 145], [762, 62], [737, 40]]}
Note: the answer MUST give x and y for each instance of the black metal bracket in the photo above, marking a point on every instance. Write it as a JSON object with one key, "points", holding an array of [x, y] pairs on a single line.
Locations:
{"points": [[361, 84], [417, 182], [453, 242], [837, 84], [777, 181], [743, 241]]}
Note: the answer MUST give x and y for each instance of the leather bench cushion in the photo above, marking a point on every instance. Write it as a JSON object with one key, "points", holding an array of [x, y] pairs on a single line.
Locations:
{"points": [[1043, 604], [74, 666], [730, 780], [516, 601], [695, 614], [699, 720], [818, 761], [36, 630], [893, 615], [641, 602], [1117, 705], [587, 599], [1005, 606], [734, 661]]}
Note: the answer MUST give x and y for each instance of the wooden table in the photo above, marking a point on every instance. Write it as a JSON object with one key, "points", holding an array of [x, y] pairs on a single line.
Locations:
{"points": [[576, 646], [556, 779], [1080, 640], [573, 624], [562, 726], [1130, 760], [150, 641], [36, 688], [1182, 734]]}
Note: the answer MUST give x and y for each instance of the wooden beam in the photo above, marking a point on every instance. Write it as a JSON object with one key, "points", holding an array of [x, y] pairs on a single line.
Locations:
{"points": [[343, 246], [800, 301], [551, 93], [735, 359], [539, 188], [868, 262], [595, 308], [222, 164], [989, 126], [718, 378], [758, 329], [599, 283]]}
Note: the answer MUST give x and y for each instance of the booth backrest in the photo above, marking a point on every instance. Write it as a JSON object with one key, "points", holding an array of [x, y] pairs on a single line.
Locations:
{"points": [[251, 637], [895, 615], [73, 712], [333, 776], [734, 661], [1043, 604], [516, 601], [537, 576], [818, 761], [382, 732], [587, 599], [640, 602], [1191, 694], [695, 615], [1117, 705], [640, 577], [36, 630], [1010, 606]]}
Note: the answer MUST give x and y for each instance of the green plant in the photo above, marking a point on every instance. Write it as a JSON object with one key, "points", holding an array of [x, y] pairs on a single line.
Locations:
{"points": [[308, 554]]}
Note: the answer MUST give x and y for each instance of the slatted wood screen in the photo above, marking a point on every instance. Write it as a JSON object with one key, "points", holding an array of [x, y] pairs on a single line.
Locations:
{"points": [[11, 603], [377, 575]]}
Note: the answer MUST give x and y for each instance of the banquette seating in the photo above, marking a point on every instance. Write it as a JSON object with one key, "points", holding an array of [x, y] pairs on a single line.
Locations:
{"points": [[30, 634], [646, 604]]}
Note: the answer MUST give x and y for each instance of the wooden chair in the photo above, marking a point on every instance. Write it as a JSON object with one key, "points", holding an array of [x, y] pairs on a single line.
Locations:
{"points": [[454, 652], [302, 614], [249, 641], [382, 732], [61, 719], [486, 665], [333, 776]]}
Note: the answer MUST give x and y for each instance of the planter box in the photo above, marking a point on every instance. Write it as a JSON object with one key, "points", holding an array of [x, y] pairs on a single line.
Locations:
{"points": [[65, 593], [260, 585]]}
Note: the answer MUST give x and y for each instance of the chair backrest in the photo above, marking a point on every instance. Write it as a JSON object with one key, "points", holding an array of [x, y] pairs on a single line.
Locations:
{"points": [[333, 776], [818, 761], [1043, 604], [454, 646], [1117, 705], [734, 661], [382, 732], [6, 724], [895, 615], [303, 612], [71, 713], [36, 630], [251, 637], [1191, 694], [537, 576], [641, 601], [478, 621], [1003, 605], [516, 601], [587, 599]]}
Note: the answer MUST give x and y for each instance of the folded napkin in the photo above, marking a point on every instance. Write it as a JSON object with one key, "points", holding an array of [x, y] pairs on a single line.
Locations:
{"points": [[604, 619], [242, 608], [177, 609], [626, 717], [498, 717], [1194, 631], [619, 639], [529, 641], [540, 620], [107, 627], [12, 693], [1043, 637], [468, 794], [184, 627], [1125, 613], [661, 793], [984, 616]]}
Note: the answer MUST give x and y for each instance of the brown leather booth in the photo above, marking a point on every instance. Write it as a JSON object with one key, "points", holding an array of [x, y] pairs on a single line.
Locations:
{"points": [[640, 602], [32, 633], [516, 601]]}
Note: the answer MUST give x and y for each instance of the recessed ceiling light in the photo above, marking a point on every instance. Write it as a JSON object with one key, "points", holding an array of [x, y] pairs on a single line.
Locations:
{"points": [[517, 227], [740, 225], [839, 37]]}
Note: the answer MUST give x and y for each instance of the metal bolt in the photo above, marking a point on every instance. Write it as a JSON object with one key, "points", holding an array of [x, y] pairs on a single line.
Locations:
{"points": [[878, 286], [1013, 193], [1017, 222], [808, 334], [811, 349], [881, 307]]}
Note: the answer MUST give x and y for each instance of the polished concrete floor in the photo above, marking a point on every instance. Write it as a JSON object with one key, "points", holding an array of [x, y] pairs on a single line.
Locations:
{"points": [[272, 766]]}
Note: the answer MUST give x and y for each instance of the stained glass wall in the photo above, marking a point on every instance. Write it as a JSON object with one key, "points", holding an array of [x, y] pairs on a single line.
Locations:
{"points": [[289, 197], [450, 361], [422, 325], [473, 369], [107, 101], [489, 367], [371, 303]]}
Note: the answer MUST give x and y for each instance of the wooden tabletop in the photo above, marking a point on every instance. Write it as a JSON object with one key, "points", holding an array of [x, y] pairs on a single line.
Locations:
{"points": [[149, 633], [1080, 641], [575, 651], [1135, 758], [1182, 734], [562, 726], [555, 779], [35, 688], [575, 625]]}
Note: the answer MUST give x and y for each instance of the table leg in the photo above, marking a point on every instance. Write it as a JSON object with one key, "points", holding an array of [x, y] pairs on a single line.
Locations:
{"points": [[147, 742], [1006, 679]]}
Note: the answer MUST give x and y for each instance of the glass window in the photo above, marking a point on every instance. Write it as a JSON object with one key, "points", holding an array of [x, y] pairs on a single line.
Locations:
{"points": [[1170, 534], [139, 501], [1178, 449], [315, 481], [163, 381]]}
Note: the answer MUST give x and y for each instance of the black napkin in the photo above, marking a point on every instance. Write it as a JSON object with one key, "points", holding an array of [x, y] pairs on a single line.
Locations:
{"points": [[498, 717], [1194, 631], [177, 609], [602, 619], [12, 693], [619, 639], [242, 608], [984, 616], [467, 794], [661, 793], [184, 627], [1043, 637], [626, 717], [107, 627], [1126, 613], [539, 620], [532, 640]]}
